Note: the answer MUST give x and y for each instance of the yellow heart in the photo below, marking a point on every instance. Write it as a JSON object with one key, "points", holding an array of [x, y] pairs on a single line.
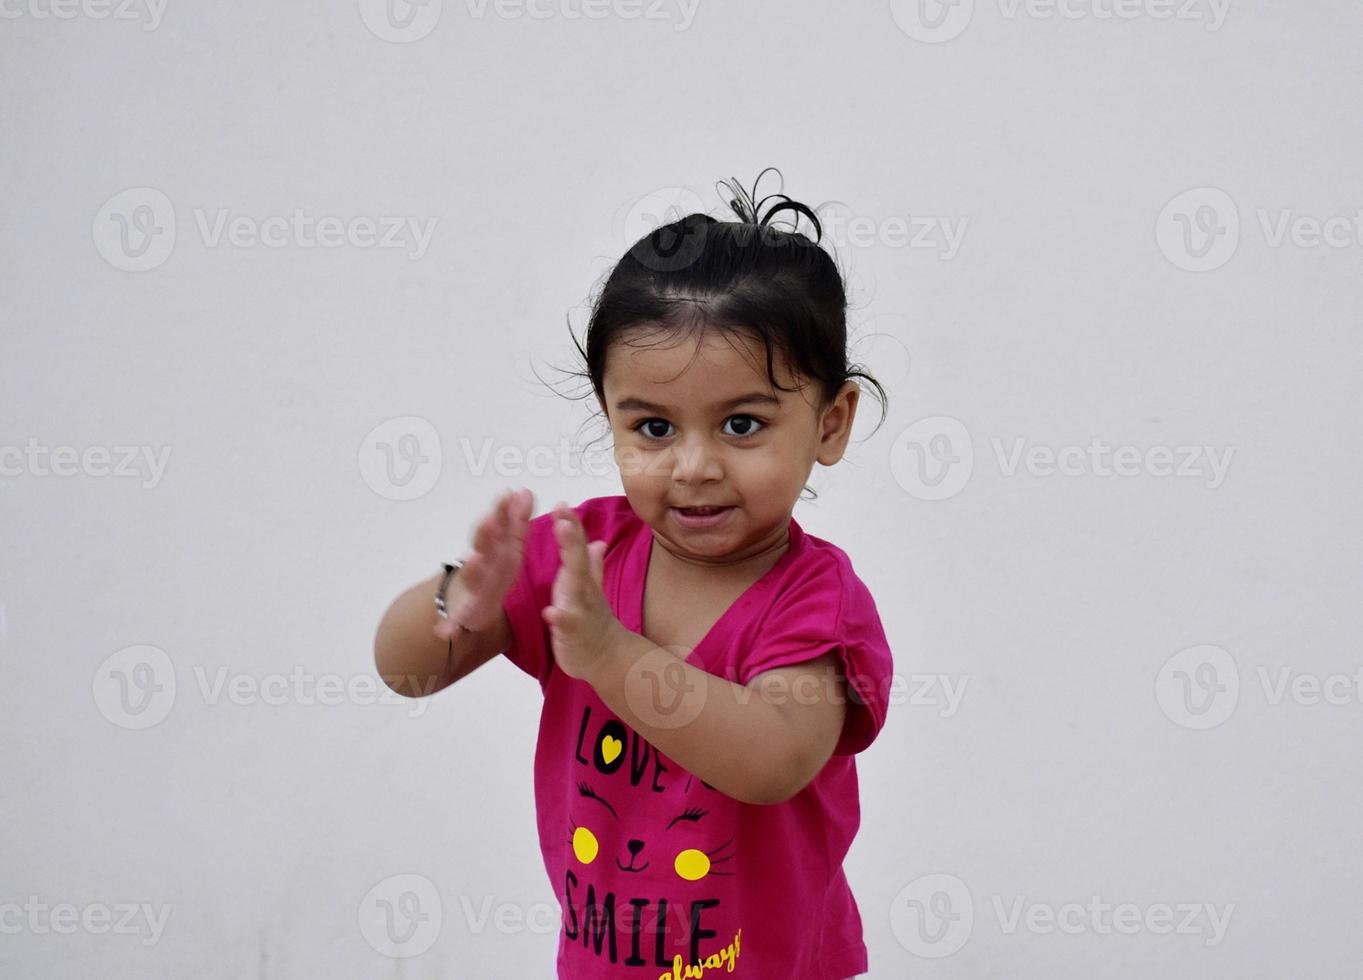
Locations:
{"points": [[610, 747]]}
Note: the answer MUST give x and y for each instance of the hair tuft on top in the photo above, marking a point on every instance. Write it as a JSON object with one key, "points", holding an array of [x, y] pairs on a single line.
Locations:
{"points": [[745, 204]]}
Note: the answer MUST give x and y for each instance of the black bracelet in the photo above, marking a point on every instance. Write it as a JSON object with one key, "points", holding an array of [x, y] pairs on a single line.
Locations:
{"points": [[450, 571]]}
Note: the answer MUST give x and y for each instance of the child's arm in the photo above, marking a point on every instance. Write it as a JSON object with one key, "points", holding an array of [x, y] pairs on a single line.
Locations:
{"points": [[412, 660], [761, 743]]}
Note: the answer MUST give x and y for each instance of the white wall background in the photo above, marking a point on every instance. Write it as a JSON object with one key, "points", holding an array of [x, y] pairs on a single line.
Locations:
{"points": [[1090, 759]]}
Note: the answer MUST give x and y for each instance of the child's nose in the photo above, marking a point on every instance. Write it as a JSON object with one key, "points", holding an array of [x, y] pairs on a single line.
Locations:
{"points": [[695, 464]]}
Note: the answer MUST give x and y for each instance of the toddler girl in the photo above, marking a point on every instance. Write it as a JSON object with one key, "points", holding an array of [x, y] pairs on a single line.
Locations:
{"points": [[709, 670]]}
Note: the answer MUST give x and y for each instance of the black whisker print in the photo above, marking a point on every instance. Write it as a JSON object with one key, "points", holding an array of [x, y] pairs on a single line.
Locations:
{"points": [[721, 860]]}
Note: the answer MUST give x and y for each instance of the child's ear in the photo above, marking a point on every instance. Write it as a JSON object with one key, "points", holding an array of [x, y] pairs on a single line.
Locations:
{"points": [[836, 423]]}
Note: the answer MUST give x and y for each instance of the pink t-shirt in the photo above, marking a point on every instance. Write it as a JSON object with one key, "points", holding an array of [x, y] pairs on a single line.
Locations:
{"points": [[654, 869]]}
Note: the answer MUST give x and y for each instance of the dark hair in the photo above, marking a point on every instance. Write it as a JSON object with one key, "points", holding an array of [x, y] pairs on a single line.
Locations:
{"points": [[698, 274]]}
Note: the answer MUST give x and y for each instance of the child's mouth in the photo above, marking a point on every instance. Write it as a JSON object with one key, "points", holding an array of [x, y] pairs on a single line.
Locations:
{"points": [[700, 516]]}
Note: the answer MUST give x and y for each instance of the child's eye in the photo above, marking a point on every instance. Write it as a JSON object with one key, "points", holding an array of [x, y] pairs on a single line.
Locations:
{"points": [[749, 430], [650, 435]]}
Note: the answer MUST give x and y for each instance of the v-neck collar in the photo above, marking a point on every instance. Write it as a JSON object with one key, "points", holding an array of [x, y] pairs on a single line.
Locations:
{"points": [[631, 586]]}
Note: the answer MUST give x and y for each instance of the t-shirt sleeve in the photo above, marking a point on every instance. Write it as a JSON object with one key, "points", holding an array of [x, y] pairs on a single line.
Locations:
{"points": [[828, 609], [528, 595], [601, 518]]}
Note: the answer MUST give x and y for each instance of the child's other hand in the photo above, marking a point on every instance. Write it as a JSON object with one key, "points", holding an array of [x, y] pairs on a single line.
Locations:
{"points": [[491, 570], [582, 625]]}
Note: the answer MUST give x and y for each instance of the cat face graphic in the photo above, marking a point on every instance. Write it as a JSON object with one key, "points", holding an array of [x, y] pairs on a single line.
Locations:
{"points": [[632, 848]]}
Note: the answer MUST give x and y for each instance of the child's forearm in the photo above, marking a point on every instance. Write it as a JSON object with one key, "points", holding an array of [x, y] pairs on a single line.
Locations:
{"points": [[409, 657], [725, 733]]}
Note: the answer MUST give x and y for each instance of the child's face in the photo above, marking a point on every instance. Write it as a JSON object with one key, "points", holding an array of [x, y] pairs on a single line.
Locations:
{"points": [[689, 446]]}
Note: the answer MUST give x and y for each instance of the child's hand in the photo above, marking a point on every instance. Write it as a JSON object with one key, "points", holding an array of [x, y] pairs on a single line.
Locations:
{"points": [[491, 570], [581, 624]]}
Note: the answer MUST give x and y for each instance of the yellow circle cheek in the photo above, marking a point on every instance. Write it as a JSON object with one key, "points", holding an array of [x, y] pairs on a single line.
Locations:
{"points": [[585, 846], [692, 864]]}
